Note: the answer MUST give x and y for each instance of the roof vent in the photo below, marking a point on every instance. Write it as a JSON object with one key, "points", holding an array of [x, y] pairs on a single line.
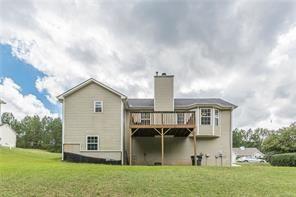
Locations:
{"points": [[163, 74], [242, 148], [156, 73]]}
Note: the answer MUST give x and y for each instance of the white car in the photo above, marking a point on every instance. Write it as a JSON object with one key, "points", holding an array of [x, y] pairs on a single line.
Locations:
{"points": [[251, 160]]}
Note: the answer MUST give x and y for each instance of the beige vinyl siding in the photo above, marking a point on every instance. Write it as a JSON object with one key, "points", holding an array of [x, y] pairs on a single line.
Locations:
{"points": [[222, 143], [177, 151], [164, 93], [81, 120], [217, 130], [205, 129]]}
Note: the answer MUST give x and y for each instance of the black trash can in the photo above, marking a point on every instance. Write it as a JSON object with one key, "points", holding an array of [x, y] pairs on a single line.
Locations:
{"points": [[198, 160]]}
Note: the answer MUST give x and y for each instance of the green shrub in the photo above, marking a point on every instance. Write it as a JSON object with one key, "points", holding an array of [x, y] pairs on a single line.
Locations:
{"points": [[286, 159], [267, 156]]}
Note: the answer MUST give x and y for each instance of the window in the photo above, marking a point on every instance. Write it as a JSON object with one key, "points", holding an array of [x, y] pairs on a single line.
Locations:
{"points": [[92, 142], [205, 116], [180, 118], [98, 106], [145, 118], [216, 117]]}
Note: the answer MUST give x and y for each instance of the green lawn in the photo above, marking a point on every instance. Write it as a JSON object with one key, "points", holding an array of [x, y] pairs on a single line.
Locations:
{"points": [[38, 173]]}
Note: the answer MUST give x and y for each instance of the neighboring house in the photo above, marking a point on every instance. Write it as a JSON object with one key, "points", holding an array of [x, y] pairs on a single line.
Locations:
{"points": [[7, 136], [102, 125], [247, 152]]}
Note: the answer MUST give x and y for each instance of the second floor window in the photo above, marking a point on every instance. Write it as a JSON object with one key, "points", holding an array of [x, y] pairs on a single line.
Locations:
{"points": [[216, 117], [205, 116], [98, 106]]}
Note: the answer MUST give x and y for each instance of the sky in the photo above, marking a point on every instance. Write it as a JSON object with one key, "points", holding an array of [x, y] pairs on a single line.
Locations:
{"points": [[240, 51]]}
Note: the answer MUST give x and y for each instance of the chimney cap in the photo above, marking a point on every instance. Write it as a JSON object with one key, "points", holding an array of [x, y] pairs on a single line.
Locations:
{"points": [[156, 73], [162, 75]]}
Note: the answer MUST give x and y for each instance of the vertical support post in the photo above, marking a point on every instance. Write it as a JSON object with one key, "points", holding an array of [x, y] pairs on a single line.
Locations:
{"points": [[162, 147], [194, 144], [130, 147]]}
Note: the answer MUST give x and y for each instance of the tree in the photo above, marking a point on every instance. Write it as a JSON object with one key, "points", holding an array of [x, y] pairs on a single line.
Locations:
{"points": [[237, 138], [250, 138], [31, 128], [55, 127], [8, 118], [33, 132], [282, 141], [45, 124]]}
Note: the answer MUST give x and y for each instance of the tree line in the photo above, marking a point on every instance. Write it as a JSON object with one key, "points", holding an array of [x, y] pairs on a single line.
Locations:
{"points": [[35, 132], [270, 142]]}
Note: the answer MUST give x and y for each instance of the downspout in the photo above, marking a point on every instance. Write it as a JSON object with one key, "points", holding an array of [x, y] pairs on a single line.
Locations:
{"points": [[121, 131], [231, 137], [63, 127]]}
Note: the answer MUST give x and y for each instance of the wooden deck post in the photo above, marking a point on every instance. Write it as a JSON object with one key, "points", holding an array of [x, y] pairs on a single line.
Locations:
{"points": [[130, 147], [194, 144], [162, 147]]}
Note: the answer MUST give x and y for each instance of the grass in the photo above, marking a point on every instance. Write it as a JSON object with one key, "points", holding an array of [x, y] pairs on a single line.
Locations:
{"points": [[38, 173]]}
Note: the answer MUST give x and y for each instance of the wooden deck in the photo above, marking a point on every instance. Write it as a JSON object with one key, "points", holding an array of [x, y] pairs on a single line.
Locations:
{"points": [[162, 120]]}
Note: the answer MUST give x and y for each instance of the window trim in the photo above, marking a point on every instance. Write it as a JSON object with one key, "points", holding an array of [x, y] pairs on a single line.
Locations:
{"points": [[98, 142], [200, 113], [217, 117], [102, 106]]}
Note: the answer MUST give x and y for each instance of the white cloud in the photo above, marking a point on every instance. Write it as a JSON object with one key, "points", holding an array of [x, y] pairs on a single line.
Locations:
{"points": [[21, 105], [242, 51]]}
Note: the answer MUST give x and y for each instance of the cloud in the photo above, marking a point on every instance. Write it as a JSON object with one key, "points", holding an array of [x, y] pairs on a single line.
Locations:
{"points": [[242, 51], [21, 105]]}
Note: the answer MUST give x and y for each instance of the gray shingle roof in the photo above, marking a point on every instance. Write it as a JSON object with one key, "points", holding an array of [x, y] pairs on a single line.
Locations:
{"points": [[2, 102], [246, 151], [181, 102]]}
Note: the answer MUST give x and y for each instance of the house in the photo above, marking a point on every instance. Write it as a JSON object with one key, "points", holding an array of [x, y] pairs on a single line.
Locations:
{"points": [[7, 136], [103, 125], [247, 152]]}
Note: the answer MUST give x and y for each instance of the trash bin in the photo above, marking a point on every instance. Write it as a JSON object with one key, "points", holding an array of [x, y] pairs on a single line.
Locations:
{"points": [[198, 160]]}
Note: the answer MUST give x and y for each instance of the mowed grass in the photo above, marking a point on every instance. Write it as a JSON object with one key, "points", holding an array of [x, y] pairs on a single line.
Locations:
{"points": [[38, 173]]}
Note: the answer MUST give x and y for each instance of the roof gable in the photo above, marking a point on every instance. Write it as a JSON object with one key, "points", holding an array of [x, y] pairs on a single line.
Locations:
{"points": [[2, 102], [246, 151], [85, 83]]}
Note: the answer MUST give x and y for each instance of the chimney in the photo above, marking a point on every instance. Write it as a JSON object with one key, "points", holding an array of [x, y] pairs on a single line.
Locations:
{"points": [[163, 92]]}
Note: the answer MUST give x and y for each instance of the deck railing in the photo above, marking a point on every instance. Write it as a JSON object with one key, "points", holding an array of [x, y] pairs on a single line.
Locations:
{"points": [[162, 118]]}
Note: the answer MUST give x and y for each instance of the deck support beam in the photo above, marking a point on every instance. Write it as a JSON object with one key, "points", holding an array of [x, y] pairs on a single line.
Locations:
{"points": [[130, 147], [194, 144], [162, 146]]}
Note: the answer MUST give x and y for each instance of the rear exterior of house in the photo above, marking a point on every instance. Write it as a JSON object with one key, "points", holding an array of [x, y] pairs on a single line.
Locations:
{"points": [[104, 126]]}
